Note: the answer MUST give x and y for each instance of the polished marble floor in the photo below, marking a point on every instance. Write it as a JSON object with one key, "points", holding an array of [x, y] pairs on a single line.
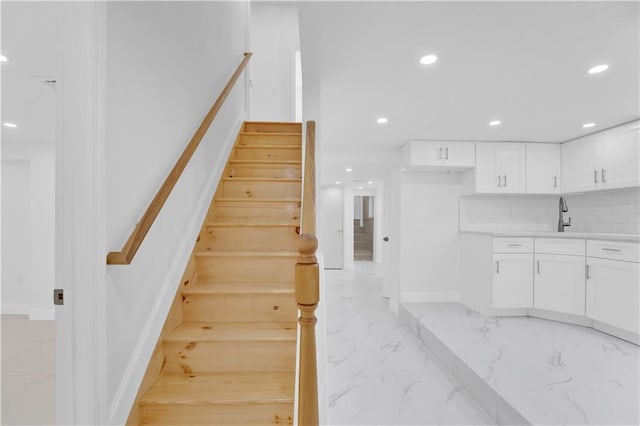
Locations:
{"points": [[549, 372], [28, 378], [378, 372]]}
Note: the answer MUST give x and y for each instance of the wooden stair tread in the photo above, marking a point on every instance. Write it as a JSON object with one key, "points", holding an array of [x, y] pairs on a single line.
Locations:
{"points": [[261, 179], [269, 146], [233, 332], [270, 162], [227, 253], [252, 224], [258, 200], [251, 287], [222, 388], [271, 133]]}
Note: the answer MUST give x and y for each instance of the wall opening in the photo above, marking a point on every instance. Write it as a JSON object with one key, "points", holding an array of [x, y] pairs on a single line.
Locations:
{"points": [[363, 227]]}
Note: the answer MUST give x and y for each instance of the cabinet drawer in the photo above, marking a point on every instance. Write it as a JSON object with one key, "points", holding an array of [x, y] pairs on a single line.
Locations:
{"points": [[560, 246], [615, 250], [513, 245]]}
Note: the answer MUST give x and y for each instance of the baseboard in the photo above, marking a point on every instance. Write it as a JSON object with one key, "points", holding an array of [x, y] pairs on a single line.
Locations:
{"points": [[16, 309], [560, 317], [430, 296], [127, 390], [617, 332]]}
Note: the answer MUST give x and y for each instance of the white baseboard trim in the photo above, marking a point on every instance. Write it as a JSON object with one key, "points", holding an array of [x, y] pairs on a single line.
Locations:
{"points": [[35, 313], [16, 309], [127, 390], [430, 296]]}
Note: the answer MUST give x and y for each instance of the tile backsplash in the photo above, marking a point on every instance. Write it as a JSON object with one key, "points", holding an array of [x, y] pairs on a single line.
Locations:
{"points": [[615, 212], [508, 213]]}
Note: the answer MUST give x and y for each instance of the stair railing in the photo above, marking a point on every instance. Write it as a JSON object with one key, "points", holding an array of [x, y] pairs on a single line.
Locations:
{"points": [[308, 288], [125, 256]]}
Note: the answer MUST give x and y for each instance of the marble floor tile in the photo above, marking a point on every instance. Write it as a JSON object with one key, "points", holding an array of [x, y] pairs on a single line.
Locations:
{"points": [[378, 372]]}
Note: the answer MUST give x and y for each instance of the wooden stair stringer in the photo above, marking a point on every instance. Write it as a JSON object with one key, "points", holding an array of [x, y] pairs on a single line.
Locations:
{"points": [[233, 329]]}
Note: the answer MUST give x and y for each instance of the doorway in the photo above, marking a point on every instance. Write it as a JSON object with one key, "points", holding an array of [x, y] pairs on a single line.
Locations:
{"points": [[363, 227]]}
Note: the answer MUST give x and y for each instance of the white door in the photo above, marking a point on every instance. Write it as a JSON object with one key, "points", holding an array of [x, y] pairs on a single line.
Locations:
{"points": [[623, 166], [511, 165], [612, 293], [559, 283], [331, 234], [512, 280], [543, 168]]}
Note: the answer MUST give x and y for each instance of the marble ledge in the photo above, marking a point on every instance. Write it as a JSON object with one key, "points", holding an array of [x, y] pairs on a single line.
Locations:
{"points": [[631, 238]]}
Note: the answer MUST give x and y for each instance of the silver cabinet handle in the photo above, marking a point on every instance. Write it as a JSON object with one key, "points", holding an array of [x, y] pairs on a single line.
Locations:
{"points": [[514, 245], [587, 271], [499, 181], [555, 181], [611, 249], [440, 154], [595, 176], [446, 153], [505, 181], [602, 175], [497, 266], [538, 266]]}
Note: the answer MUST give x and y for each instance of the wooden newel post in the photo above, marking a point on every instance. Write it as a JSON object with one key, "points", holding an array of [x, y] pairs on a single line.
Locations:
{"points": [[307, 297]]}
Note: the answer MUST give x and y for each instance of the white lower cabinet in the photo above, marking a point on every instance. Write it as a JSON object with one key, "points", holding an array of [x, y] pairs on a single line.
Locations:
{"points": [[512, 280], [612, 293], [559, 283]]}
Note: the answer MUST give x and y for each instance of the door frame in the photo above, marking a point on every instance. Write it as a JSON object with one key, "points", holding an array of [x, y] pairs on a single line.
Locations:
{"points": [[81, 357]]}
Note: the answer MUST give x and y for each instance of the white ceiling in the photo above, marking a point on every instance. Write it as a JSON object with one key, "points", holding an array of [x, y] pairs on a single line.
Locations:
{"points": [[523, 63], [29, 41]]}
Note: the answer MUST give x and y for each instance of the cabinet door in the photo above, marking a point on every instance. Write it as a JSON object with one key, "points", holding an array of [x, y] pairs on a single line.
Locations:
{"points": [[459, 154], [559, 283], [512, 280], [424, 153], [612, 293], [487, 180], [623, 166], [581, 159], [543, 168], [511, 165]]}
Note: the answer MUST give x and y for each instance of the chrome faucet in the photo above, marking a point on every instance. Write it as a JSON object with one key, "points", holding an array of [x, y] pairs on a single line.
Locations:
{"points": [[562, 208]]}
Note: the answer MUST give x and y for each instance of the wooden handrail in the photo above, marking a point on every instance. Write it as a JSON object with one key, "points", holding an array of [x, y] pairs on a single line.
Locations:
{"points": [[125, 256], [308, 290]]}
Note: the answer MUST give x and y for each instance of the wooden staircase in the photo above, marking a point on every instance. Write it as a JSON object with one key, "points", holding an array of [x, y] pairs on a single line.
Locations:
{"points": [[227, 353]]}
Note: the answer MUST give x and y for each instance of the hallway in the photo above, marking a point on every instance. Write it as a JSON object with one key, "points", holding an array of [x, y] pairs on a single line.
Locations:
{"points": [[378, 373]]}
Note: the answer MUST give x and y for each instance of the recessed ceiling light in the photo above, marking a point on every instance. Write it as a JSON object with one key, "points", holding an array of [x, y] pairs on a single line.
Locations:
{"points": [[428, 59], [382, 120], [13, 126], [370, 182], [3, 58], [349, 169], [403, 170], [360, 187], [587, 125], [337, 182], [598, 68], [495, 123]]}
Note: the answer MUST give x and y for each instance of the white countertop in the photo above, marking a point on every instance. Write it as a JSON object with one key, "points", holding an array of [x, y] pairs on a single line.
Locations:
{"points": [[578, 235]]}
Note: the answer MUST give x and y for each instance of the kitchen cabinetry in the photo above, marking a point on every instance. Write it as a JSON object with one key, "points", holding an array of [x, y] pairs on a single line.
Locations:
{"points": [[512, 277], [612, 284], [433, 156], [605, 160], [543, 168], [559, 277], [500, 167]]}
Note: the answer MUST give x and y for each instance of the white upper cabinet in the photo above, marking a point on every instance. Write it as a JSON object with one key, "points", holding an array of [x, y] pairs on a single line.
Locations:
{"points": [[603, 160], [434, 156], [543, 168], [500, 167]]}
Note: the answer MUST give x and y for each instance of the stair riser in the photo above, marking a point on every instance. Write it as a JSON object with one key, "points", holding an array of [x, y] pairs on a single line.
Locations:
{"points": [[240, 308], [270, 139], [234, 269], [264, 154], [244, 189], [268, 238], [276, 171], [216, 357], [230, 211], [236, 414], [273, 127]]}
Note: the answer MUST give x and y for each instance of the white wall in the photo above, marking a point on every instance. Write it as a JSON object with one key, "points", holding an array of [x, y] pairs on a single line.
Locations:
{"points": [[274, 41], [166, 64], [430, 249], [28, 229], [508, 213]]}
